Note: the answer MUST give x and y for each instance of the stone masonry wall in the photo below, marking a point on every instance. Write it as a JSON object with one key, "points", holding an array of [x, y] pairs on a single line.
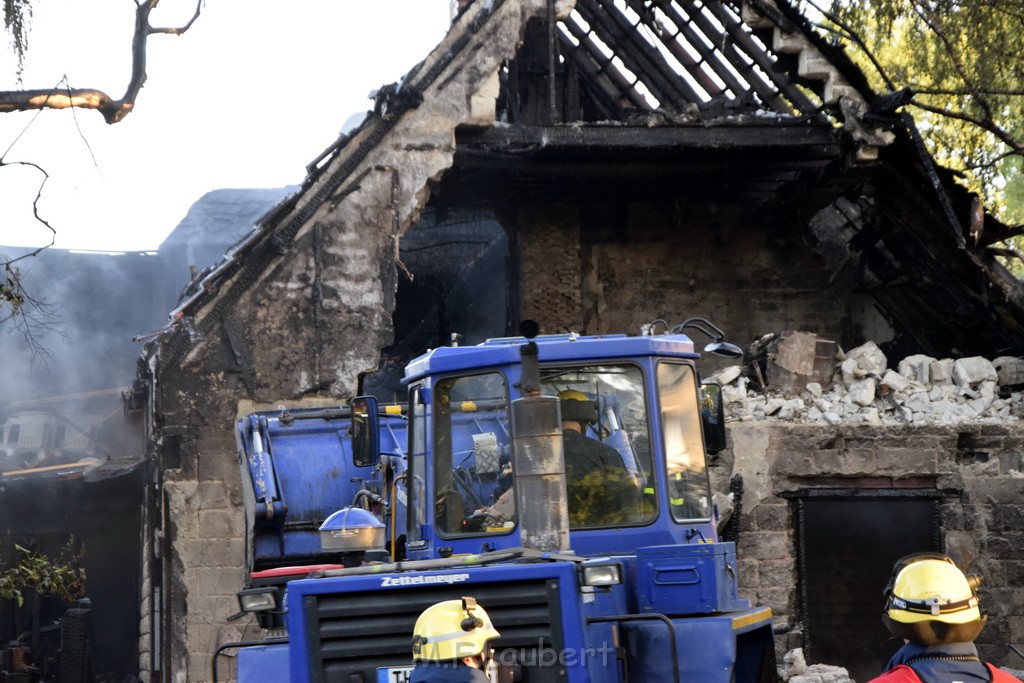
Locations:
{"points": [[952, 427], [301, 318], [982, 505]]}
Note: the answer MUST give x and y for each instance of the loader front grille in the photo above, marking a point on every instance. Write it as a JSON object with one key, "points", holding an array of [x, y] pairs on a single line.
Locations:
{"points": [[351, 635]]}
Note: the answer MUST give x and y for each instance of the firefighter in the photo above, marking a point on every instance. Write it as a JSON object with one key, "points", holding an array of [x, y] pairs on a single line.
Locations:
{"points": [[600, 489], [933, 607], [451, 643]]}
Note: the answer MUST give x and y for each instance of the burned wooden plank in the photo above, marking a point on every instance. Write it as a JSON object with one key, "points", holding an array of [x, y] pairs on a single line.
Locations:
{"points": [[819, 139]]}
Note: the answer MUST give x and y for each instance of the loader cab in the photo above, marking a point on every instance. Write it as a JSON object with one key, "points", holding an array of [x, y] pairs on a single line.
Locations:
{"points": [[641, 481]]}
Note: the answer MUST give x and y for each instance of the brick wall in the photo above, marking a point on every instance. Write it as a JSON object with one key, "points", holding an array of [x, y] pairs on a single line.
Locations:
{"points": [[550, 274], [638, 262]]}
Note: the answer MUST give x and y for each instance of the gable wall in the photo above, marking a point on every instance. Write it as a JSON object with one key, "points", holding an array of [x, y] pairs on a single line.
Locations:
{"points": [[303, 316], [638, 262]]}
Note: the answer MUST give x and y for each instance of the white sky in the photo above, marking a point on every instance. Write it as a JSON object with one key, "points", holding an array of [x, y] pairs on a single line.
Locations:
{"points": [[253, 92]]}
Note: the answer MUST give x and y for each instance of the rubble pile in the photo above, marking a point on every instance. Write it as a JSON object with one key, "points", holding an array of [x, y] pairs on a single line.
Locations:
{"points": [[921, 390], [795, 669]]}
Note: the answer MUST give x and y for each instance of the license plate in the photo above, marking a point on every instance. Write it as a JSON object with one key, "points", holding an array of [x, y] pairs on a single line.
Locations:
{"points": [[394, 674]]}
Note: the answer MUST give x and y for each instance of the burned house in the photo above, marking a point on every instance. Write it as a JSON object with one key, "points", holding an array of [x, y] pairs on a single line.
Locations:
{"points": [[596, 166]]}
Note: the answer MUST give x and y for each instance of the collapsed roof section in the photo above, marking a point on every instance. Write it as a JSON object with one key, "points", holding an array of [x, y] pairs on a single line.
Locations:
{"points": [[739, 100], [745, 102]]}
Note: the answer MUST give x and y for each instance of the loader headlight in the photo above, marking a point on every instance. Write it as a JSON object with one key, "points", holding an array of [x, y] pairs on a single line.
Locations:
{"points": [[257, 599], [602, 575]]}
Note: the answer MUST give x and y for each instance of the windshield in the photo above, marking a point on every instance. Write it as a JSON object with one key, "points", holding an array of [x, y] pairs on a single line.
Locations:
{"points": [[689, 492], [607, 445]]}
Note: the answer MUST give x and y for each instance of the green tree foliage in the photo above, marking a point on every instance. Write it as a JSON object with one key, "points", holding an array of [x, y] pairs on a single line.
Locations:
{"points": [[63, 577], [17, 19], [961, 59]]}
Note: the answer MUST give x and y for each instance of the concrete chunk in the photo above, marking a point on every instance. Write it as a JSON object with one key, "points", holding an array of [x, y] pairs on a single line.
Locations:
{"points": [[870, 359], [863, 392], [970, 372], [793, 359], [896, 381], [727, 375], [851, 371], [942, 372], [917, 368], [1010, 370]]}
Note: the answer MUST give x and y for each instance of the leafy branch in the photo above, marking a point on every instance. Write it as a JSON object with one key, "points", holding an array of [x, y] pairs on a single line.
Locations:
{"points": [[63, 577]]}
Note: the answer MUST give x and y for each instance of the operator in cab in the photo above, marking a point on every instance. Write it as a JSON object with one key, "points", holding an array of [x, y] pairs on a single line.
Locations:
{"points": [[601, 491], [451, 643]]}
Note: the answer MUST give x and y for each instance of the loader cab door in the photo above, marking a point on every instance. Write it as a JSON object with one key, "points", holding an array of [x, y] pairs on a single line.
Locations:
{"points": [[459, 478], [419, 414], [686, 471]]}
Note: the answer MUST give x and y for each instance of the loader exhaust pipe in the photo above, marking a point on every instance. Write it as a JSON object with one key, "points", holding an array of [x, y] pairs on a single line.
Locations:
{"points": [[538, 460]]}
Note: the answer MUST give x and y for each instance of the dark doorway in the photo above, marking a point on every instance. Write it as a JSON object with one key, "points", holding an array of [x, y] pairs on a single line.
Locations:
{"points": [[849, 540]]}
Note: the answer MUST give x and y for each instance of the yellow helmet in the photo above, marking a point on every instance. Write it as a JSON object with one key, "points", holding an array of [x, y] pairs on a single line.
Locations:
{"points": [[577, 406], [450, 630], [929, 601]]}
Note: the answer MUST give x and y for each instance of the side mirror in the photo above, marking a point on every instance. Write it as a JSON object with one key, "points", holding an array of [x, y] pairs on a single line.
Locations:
{"points": [[365, 431], [726, 349], [712, 416]]}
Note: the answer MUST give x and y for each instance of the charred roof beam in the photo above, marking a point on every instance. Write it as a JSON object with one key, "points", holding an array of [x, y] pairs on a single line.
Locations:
{"points": [[639, 57], [760, 58], [673, 45], [595, 63], [821, 141], [713, 57]]}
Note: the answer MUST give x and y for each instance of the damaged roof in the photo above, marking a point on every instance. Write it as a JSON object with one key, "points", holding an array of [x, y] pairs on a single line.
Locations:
{"points": [[738, 99]]}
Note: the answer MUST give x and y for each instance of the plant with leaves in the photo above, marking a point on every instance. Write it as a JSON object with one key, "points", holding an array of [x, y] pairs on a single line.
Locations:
{"points": [[63, 577]]}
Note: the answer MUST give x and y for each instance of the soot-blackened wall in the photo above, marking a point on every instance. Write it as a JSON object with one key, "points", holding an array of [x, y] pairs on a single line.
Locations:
{"points": [[614, 267]]}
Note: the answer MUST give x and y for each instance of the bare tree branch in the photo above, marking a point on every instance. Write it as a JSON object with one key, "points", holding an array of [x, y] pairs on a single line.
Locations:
{"points": [[33, 318], [984, 123], [35, 211], [88, 98]]}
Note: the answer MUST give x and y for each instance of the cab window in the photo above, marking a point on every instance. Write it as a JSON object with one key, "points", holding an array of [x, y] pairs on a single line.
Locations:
{"points": [[606, 440], [687, 474], [416, 510], [472, 456]]}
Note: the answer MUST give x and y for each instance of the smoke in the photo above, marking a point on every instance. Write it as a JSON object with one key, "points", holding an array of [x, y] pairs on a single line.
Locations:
{"points": [[98, 301]]}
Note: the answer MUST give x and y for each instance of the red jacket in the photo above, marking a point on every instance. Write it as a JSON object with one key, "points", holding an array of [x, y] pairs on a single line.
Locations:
{"points": [[904, 674]]}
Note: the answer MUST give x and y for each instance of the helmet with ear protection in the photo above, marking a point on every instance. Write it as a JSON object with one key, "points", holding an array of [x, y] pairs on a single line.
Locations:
{"points": [[451, 630], [929, 601]]}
